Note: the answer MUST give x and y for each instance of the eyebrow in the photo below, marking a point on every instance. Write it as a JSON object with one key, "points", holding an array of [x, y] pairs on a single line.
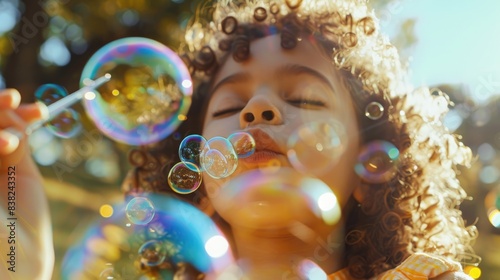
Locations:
{"points": [[232, 79], [297, 69], [294, 69]]}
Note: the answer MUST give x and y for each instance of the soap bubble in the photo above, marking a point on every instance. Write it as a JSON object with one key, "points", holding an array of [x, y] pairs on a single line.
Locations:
{"points": [[374, 111], [152, 253], [214, 163], [243, 143], [220, 160], [190, 149], [314, 147], [140, 210], [50, 93], [264, 197], [377, 162], [109, 274], [148, 95], [184, 178], [65, 125], [175, 240]]}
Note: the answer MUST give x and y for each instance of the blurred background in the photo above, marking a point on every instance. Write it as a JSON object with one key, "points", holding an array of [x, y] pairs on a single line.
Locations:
{"points": [[452, 45]]}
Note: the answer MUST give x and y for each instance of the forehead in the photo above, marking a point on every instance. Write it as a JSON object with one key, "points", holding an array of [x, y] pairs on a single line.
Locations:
{"points": [[267, 55]]}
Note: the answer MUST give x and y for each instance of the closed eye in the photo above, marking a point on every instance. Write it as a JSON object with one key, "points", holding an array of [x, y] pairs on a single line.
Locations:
{"points": [[307, 103], [226, 112]]}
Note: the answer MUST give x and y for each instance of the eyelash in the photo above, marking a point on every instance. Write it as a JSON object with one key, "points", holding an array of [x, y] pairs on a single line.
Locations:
{"points": [[295, 102], [312, 102], [226, 111]]}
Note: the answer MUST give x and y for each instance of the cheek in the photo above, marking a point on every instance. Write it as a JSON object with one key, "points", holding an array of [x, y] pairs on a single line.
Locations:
{"points": [[221, 127]]}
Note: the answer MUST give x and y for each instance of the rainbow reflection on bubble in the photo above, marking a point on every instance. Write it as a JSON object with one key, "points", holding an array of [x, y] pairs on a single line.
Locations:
{"points": [[65, 125], [148, 95], [377, 162], [179, 236]]}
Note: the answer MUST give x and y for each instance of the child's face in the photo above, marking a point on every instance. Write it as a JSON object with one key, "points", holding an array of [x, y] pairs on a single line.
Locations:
{"points": [[261, 95]]}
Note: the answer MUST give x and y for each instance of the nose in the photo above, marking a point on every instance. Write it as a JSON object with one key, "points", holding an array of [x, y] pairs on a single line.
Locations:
{"points": [[260, 110]]}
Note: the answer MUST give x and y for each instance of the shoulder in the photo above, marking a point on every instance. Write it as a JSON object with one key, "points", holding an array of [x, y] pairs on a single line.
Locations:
{"points": [[453, 275], [426, 266]]}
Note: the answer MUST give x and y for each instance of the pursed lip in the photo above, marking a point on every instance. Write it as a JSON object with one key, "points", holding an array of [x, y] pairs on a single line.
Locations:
{"points": [[266, 148]]}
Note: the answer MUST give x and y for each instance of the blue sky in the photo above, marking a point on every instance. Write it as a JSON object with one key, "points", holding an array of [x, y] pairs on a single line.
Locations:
{"points": [[458, 42]]}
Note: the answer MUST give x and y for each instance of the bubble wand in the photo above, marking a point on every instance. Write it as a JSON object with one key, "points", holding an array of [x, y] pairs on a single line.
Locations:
{"points": [[60, 105]]}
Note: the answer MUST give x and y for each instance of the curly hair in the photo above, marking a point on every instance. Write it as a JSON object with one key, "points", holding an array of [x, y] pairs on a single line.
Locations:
{"points": [[420, 204]]}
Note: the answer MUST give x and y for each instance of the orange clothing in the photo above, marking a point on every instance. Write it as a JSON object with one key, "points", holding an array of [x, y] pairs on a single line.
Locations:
{"points": [[419, 266]]}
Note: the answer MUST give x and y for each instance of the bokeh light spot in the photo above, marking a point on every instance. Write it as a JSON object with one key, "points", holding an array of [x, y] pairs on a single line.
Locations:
{"points": [[216, 246], [106, 211]]}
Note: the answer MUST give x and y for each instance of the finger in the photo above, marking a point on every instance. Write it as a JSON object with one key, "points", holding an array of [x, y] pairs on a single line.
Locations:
{"points": [[9, 119], [32, 112], [9, 99], [8, 142]]}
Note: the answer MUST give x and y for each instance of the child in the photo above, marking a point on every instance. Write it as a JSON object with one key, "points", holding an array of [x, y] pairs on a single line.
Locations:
{"points": [[271, 68]]}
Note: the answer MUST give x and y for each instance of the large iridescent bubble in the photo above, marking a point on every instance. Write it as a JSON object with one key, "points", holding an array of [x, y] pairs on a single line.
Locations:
{"points": [[179, 239], [276, 197], [148, 95]]}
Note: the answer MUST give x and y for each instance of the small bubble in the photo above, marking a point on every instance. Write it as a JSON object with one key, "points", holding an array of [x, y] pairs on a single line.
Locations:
{"points": [[140, 210], [377, 162], [221, 159], [50, 93], [66, 125], [152, 253], [374, 111], [109, 274], [243, 143], [184, 178], [315, 147], [190, 149], [214, 163]]}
